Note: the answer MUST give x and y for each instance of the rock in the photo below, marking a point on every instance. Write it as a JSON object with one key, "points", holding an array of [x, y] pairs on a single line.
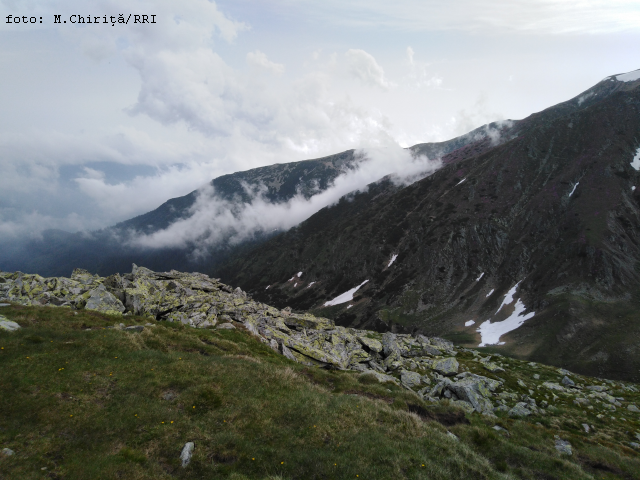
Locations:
{"points": [[586, 427], [462, 404], [187, 453], [8, 325], [381, 377], [520, 410], [452, 436], [553, 386], [390, 345], [225, 326], [476, 391], [568, 382], [371, 343], [100, 300], [134, 328], [498, 428], [597, 388], [8, 452], [501, 408], [441, 343], [492, 367], [563, 446], [446, 366], [287, 353], [410, 379], [633, 408], [536, 376], [634, 445], [522, 384]]}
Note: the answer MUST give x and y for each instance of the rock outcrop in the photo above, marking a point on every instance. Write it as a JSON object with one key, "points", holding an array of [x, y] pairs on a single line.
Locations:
{"points": [[428, 366]]}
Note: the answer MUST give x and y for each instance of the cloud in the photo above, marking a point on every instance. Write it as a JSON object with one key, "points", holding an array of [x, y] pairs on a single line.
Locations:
{"points": [[260, 60], [538, 17], [213, 221], [363, 66]]}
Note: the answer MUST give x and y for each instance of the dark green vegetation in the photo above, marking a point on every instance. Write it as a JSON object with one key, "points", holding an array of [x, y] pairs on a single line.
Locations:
{"points": [[551, 208], [84, 401]]}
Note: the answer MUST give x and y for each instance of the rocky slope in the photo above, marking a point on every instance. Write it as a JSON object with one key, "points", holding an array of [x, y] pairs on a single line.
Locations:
{"points": [[432, 368], [539, 232]]}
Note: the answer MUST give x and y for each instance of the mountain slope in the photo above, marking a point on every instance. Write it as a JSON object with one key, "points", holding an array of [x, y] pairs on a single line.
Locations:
{"points": [[108, 251], [540, 231]]}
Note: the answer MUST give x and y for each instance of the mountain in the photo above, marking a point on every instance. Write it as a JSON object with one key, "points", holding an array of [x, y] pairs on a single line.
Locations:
{"points": [[109, 250], [528, 237]]}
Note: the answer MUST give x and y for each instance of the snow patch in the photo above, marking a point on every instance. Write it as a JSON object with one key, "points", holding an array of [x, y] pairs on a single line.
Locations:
{"points": [[308, 286], [461, 181], [267, 287], [393, 259], [299, 274], [291, 279], [629, 77], [481, 275], [469, 323], [574, 188], [633, 189], [349, 306], [491, 332], [508, 299], [492, 290], [345, 297], [636, 160], [295, 285]]}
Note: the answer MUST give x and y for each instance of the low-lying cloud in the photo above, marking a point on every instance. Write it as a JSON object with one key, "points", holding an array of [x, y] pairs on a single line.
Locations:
{"points": [[214, 221]]}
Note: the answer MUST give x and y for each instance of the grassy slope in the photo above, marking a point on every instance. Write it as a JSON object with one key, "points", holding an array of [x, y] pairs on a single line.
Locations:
{"points": [[89, 404]]}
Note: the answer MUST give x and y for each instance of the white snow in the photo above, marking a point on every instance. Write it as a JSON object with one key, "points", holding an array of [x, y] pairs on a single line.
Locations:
{"points": [[481, 275], [345, 297], [492, 290], [574, 188], [310, 284], [291, 279], [636, 160], [299, 274], [491, 332], [469, 323], [349, 306], [461, 181], [509, 296], [629, 77], [393, 259], [633, 189], [295, 285], [267, 287]]}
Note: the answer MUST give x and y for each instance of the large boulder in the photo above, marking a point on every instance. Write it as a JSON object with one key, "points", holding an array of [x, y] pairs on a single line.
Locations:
{"points": [[100, 300], [446, 366], [8, 325], [410, 379]]}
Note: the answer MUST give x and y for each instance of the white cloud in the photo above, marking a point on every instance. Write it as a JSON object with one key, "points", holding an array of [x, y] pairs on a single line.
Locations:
{"points": [[213, 220], [364, 67], [260, 59], [538, 17]]}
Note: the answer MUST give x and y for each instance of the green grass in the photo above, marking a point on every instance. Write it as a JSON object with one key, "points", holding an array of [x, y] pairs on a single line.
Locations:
{"points": [[110, 404]]}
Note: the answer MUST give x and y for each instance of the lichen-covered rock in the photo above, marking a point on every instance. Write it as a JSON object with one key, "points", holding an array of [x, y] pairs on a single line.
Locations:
{"points": [[410, 379], [371, 343], [563, 446], [8, 325], [520, 410], [446, 366], [102, 301]]}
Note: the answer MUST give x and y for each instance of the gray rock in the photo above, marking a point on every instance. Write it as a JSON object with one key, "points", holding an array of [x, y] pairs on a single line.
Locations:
{"points": [[225, 326], [371, 343], [633, 408], [473, 390], [410, 379], [187, 453], [498, 428], [501, 408], [586, 427], [8, 325], [568, 382], [287, 353], [441, 343], [520, 410], [134, 328], [5, 305], [446, 366], [381, 377], [100, 300], [563, 446], [634, 445], [553, 386], [390, 345], [452, 436], [8, 452], [597, 388], [536, 376]]}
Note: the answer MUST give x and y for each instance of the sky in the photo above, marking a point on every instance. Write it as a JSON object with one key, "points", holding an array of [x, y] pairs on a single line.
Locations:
{"points": [[102, 122]]}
